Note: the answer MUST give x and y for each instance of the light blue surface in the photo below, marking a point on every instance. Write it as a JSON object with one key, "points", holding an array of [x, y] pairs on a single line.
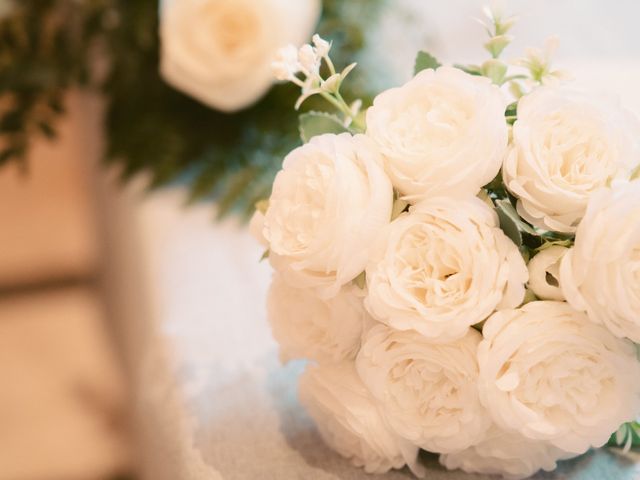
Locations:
{"points": [[258, 430]]}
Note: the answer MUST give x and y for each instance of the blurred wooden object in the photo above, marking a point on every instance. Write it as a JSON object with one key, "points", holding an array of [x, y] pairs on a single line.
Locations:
{"points": [[63, 399], [48, 227]]}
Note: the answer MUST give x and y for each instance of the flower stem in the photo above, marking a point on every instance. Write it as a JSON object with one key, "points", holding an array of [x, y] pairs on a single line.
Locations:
{"points": [[332, 68], [338, 102]]}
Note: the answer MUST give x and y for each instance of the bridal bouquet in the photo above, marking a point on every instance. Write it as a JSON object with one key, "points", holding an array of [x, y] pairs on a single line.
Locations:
{"points": [[460, 262]]}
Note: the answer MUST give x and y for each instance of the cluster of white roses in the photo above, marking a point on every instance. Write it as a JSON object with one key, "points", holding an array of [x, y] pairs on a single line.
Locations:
{"points": [[415, 318]]}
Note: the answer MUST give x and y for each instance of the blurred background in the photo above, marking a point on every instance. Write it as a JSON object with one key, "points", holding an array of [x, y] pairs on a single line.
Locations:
{"points": [[125, 314]]}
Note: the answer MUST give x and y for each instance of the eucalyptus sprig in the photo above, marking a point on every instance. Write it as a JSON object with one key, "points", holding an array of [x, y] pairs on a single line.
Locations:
{"points": [[497, 26]]}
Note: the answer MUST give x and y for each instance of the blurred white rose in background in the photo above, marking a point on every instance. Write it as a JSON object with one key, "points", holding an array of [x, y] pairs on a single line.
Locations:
{"points": [[428, 391], [220, 51], [567, 144], [306, 326], [550, 374], [441, 133], [349, 421], [601, 273], [443, 267]]}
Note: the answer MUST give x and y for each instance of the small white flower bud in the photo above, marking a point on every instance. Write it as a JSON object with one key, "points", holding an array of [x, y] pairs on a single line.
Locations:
{"points": [[322, 46], [280, 71], [309, 59], [285, 64]]}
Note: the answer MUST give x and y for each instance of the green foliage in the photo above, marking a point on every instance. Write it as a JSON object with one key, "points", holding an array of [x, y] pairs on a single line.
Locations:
{"points": [[495, 45], [361, 280], [495, 70], [529, 239], [425, 60], [511, 223], [318, 123], [627, 436], [47, 46], [470, 69], [511, 113], [399, 206], [44, 49]]}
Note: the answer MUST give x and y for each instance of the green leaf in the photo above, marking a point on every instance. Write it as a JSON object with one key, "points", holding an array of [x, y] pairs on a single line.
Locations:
{"points": [[511, 110], [470, 69], [399, 206], [627, 434], [262, 205], [509, 226], [495, 70], [479, 326], [497, 44], [516, 89], [529, 296], [567, 243], [318, 123], [265, 255], [511, 223], [234, 186], [496, 186], [425, 60], [361, 280]]}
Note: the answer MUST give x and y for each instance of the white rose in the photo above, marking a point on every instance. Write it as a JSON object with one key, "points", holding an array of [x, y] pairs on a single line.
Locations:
{"points": [[427, 391], [329, 202], [349, 421], [549, 373], [566, 145], [307, 326], [442, 133], [601, 273], [220, 51], [443, 267], [544, 273], [505, 453]]}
